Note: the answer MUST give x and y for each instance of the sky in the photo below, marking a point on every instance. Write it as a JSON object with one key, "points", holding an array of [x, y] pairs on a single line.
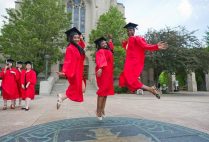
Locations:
{"points": [[156, 14], [3, 5]]}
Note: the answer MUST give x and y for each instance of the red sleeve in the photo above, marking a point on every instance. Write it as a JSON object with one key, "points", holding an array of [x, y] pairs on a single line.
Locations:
{"points": [[142, 43], [82, 43], [32, 80], [70, 63], [22, 79], [124, 44], [100, 59], [17, 74], [111, 45]]}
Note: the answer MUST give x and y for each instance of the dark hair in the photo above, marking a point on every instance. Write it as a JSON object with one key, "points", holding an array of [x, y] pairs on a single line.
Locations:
{"points": [[131, 28], [98, 46], [71, 41]]}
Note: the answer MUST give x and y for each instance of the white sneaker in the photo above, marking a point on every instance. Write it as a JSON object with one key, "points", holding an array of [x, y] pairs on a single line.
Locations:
{"points": [[100, 118], [59, 100], [139, 92]]}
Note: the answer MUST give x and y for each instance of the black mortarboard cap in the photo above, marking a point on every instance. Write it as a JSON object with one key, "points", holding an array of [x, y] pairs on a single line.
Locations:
{"points": [[74, 29], [97, 41], [28, 62], [130, 26], [9, 61], [19, 62]]}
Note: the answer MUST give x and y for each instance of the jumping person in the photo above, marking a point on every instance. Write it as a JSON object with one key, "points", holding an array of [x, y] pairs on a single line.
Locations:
{"points": [[73, 67], [134, 61], [104, 74]]}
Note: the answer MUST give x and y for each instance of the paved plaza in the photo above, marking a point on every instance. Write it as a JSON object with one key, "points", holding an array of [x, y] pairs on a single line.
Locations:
{"points": [[182, 116]]}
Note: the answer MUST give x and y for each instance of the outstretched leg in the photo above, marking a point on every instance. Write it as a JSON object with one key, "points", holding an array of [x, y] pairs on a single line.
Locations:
{"points": [[83, 86], [60, 99], [99, 107], [5, 105], [103, 105], [27, 104], [152, 90]]}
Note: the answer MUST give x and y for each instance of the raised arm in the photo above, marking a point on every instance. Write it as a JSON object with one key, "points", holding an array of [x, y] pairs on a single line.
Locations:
{"points": [[142, 43]]}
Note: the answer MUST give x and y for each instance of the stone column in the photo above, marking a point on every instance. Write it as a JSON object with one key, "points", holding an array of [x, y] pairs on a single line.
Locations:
{"points": [[91, 72], [191, 82], [151, 77], [171, 85], [54, 69], [144, 77], [207, 81]]}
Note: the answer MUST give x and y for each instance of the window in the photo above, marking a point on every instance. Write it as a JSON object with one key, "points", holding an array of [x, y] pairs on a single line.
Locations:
{"points": [[78, 10]]}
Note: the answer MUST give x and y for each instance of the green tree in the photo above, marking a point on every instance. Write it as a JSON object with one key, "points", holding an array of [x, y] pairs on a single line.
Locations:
{"points": [[207, 38], [34, 30], [164, 78], [119, 58], [112, 23], [179, 54]]}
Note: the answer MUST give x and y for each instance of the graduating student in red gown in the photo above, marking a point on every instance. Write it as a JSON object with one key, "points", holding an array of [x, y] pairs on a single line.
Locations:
{"points": [[28, 82], [9, 84], [134, 62], [73, 68], [104, 73], [20, 70]]}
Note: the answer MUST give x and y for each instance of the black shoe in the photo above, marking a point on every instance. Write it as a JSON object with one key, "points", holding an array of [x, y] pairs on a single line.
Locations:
{"points": [[26, 109], [23, 108], [157, 96]]}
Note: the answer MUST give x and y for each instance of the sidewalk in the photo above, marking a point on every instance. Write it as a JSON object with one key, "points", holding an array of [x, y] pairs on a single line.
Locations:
{"points": [[190, 110]]}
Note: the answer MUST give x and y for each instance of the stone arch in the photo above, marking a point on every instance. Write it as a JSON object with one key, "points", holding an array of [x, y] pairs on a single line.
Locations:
{"points": [[86, 68]]}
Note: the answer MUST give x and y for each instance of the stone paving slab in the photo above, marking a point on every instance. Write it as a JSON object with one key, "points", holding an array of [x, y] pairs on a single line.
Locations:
{"points": [[188, 110]]}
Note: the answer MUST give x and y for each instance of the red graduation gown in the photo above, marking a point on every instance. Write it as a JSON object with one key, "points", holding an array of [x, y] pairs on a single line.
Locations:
{"points": [[9, 84], [25, 78], [20, 89], [83, 45], [73, 68], [111, 45], [104, 60], [134, 62]]}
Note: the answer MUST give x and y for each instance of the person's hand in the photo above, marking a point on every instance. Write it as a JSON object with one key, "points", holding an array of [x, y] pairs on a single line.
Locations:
{"points": [[162, 45], [99, 72], [27, 85], [62, 74], [81, 37], [13, 72], [5, 68], [23, 87]]}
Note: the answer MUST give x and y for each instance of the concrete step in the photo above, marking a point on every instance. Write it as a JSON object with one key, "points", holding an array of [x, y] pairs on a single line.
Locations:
{"points": [[61, 85]]}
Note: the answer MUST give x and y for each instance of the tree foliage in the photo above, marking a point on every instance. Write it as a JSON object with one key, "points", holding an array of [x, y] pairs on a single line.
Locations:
{"points": [[119, 58], [179, 54], [207, 38], [34, 30], [185, 53], [112, 23]]}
